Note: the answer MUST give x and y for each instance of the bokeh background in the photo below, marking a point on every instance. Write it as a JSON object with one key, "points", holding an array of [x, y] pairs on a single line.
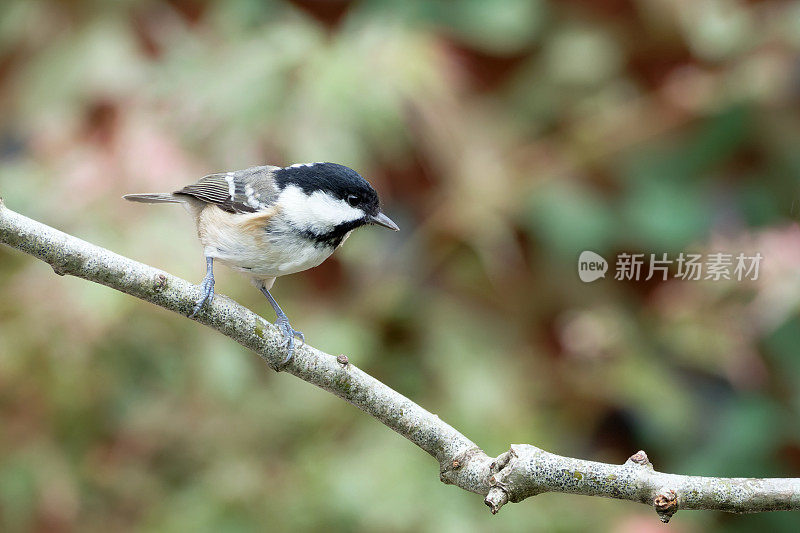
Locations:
{"points": [[504, 138]]}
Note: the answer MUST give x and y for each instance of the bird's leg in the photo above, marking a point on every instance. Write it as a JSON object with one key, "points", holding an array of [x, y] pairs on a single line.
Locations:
{"points": [[282, 322], [207, 287]]}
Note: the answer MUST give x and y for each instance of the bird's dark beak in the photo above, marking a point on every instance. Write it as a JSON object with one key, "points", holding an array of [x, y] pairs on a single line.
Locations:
{"points": [[382, 220]]}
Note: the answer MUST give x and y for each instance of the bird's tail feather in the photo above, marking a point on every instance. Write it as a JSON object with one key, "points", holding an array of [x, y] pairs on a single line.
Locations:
{"points": [[153, 198]]}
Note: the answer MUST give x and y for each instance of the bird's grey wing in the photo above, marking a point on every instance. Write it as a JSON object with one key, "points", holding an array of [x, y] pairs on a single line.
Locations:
{"points": [[241, 191]]}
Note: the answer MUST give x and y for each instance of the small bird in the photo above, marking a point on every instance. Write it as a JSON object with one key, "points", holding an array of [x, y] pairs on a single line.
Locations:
{"points": [[270, 221]]}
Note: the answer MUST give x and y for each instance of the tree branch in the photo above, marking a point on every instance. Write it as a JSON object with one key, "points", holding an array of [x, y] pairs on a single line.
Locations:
{"points": [[519, 473]]}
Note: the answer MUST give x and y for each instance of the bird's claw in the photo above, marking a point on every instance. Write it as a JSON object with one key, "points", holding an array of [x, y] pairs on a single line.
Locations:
{"points": [[207, 295], [289, 334]]}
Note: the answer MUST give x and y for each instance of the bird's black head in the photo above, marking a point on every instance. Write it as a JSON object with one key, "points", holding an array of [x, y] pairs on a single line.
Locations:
{"points": [[328, 200], [337, 180]]}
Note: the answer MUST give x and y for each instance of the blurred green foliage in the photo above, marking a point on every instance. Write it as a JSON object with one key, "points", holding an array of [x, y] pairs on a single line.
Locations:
{"points": [[505, 138]]}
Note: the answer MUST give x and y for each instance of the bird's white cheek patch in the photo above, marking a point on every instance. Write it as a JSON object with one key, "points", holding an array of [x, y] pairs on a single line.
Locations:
{"points": [[318, 212]]}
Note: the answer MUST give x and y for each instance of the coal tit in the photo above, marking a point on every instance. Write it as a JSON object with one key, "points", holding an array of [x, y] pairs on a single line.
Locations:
{"points": [[270, 221]]}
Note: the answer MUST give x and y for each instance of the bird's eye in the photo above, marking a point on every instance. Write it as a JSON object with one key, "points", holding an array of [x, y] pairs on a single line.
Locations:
{"points": [[353, 200]]}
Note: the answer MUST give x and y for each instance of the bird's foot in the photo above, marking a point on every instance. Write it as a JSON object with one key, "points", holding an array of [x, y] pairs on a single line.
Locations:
{"points": [[289, 333], [207, 294]]}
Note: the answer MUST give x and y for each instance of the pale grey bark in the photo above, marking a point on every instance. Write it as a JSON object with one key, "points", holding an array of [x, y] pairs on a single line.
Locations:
{"points": [[519, 473]]}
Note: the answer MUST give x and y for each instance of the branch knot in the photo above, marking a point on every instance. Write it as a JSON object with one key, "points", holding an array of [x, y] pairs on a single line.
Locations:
{"points": [[640, 459], [159, 282], [666, 504]]}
